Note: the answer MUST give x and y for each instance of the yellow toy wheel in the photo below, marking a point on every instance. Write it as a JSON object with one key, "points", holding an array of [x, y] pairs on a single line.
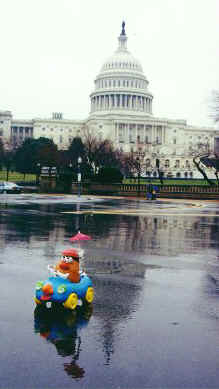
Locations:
{"points": [[71, 302], [89, 294], [38, 302]]}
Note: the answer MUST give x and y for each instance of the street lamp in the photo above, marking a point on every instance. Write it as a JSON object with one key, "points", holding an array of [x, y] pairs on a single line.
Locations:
{"points": [[138, 168], [79, 176], [38, 173]]}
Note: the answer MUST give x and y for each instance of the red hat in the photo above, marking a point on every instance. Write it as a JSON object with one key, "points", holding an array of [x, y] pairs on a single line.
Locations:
{"points": [[70, 253]]}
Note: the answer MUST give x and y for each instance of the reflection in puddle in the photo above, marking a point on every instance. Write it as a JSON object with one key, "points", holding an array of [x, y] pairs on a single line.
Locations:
{"points": [[60, 327]]}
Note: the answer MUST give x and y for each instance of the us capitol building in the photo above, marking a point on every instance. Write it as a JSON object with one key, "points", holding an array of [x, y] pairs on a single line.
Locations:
{"points": [[121, 109]]}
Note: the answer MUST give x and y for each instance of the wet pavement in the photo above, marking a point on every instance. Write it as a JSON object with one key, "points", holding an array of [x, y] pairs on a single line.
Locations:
{"points": [[154, 322]]}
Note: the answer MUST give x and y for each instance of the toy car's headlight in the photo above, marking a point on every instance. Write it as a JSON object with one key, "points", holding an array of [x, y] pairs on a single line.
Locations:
{"points": [[61, 289], [39, 285]]}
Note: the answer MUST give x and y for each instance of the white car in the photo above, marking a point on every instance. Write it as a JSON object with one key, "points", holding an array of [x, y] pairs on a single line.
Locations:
{"points": [[9, 187]]}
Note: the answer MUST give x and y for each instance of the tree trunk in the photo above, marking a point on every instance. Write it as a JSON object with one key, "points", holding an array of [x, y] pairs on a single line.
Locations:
{"points": [[202, 172]]}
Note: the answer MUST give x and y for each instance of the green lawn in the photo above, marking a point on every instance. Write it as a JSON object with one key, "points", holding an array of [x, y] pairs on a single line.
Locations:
{"points": [[15, 176], [166, 181]]}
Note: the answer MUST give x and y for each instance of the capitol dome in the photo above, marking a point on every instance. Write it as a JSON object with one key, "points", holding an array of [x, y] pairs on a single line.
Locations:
{"points": [[121, 84]]}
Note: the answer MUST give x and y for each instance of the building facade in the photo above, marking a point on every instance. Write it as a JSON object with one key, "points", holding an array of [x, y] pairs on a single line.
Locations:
{"points": [[121, 109]]}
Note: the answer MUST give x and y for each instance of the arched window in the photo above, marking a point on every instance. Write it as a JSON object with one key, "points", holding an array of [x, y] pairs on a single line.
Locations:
{"points": [[167, 163], [148, 162], [186, 174], [178, 175]]}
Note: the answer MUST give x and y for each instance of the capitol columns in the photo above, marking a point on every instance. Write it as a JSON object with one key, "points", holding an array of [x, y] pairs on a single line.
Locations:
{"points": [[110, 101], [129, 101]]}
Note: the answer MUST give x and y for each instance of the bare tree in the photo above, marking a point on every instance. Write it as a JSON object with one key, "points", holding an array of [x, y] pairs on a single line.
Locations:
{"points": [[198, 163]]}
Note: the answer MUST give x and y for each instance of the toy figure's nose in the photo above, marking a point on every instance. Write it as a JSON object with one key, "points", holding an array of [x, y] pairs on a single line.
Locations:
{"points": [[64, 266], [47, 289]]}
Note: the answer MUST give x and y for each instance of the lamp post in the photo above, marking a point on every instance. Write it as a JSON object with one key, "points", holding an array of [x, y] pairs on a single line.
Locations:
{"points": [[71, 177], [79, 176], [138, 168], [38, 173]]}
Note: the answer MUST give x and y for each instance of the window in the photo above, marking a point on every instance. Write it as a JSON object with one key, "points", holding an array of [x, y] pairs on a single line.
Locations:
{"points": [[167, 163], [60, 139], [177, 164], [148, 162]]}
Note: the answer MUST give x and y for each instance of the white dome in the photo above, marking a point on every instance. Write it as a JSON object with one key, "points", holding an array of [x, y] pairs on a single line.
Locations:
{"points": [[122, 61], [121, 84]]}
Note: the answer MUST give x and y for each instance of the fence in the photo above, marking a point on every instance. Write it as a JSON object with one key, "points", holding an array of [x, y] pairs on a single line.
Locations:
{"points": [[165, 191]]}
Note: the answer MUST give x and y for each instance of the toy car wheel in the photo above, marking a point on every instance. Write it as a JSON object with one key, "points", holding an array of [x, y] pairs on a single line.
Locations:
{"points": [[71, 302], [89, 295]]}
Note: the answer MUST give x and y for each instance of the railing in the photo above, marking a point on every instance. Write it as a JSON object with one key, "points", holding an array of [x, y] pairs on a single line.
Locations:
{"points": [[171, 191]]}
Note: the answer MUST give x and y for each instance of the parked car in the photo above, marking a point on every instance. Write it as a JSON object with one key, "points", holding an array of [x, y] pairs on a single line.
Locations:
{"points": [[9, 187]]}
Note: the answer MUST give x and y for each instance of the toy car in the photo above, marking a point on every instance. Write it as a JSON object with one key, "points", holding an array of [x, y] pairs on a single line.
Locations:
{"points": [[62, 291]]}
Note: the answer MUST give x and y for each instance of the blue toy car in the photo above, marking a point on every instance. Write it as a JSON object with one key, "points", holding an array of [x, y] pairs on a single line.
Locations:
{"points": [[62, 291]]}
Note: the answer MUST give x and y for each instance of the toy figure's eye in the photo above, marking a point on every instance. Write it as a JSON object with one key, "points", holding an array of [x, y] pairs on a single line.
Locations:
{"points": [[39, 285], [62, 289]]}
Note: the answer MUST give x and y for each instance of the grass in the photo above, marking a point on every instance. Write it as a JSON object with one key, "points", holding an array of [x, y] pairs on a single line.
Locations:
{"points": [[16, 177], [167, 181]]}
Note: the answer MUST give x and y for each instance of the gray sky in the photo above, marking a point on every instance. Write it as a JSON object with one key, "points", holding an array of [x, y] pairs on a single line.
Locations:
{"points": [[52, 50]]}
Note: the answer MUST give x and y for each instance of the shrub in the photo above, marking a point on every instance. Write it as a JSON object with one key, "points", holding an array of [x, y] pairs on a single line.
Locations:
{"points": [[108, 175]]}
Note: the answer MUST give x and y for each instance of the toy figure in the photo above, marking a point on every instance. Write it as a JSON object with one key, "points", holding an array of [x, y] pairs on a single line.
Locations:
{"points": [[68, 266]]}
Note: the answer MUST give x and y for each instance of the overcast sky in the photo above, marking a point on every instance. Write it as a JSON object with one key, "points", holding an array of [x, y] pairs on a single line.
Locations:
{"points": [[52, 50]]}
